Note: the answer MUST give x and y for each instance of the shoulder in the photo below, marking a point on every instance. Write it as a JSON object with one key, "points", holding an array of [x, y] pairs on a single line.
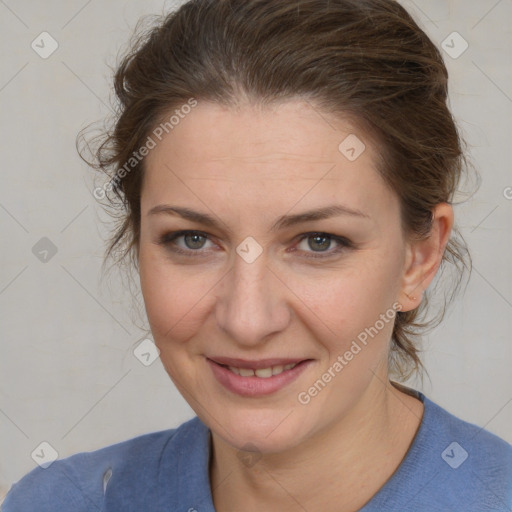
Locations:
{"points": [[451, 465], [471, 442], [460, 465], [80, 482]]}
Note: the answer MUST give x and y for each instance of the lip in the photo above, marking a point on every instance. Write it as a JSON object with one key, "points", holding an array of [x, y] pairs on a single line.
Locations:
{"points": [[256, 386], [260, 363]]}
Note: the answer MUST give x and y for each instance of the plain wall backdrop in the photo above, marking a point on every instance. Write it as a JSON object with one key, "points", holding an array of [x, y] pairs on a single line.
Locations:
{"points": [[68, 373]]}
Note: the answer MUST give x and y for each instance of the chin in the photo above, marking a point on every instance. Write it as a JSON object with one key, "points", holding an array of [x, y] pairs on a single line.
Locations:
{"points": [[262, 430]]}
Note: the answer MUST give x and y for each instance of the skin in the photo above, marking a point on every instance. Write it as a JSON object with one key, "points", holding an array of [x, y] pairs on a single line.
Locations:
{"points": [[246, 167]]}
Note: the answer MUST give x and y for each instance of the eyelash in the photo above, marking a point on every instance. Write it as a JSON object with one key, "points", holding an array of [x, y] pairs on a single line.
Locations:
{"points": [[168, 239]]}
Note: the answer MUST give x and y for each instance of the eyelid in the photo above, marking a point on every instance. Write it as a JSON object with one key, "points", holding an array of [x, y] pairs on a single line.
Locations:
{"points": [[167, 238], [343, 243]]}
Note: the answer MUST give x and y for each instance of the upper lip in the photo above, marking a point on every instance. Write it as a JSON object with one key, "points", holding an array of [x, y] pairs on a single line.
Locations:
{"points": [[255, 364]]}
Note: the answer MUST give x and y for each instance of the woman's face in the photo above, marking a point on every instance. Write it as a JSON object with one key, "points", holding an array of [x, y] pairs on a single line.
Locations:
{"points": [[253, 282]]}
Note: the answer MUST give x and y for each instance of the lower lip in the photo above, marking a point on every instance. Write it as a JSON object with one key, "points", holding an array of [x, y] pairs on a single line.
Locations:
{"points": [[256, 386]]}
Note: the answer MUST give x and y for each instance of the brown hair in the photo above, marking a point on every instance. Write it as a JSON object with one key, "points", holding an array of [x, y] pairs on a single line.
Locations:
{"points": [[366, 61]]}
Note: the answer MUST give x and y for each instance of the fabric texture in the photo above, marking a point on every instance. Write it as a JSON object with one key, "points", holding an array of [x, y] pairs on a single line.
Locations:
{"points": [[451, 465]]}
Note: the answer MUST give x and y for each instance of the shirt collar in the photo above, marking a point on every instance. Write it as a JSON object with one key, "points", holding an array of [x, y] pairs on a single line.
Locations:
{"points": [[184, 469], [184, 472]]}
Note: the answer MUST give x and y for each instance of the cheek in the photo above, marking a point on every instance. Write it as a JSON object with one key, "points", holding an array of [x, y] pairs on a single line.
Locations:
{"points": [[345, 300], [174, 298], [336, 305]]}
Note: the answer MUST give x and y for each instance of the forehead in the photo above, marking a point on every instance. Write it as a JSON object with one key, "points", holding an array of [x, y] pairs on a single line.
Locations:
{"points": [[282, 152], [289, 130]]}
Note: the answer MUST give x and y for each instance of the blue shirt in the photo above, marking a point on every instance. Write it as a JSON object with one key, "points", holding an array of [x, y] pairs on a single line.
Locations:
{"points": [[451, 465]]}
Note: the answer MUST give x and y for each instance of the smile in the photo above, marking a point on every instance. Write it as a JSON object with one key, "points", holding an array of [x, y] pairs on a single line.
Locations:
{"points": [[263, 373], [256, 378]]}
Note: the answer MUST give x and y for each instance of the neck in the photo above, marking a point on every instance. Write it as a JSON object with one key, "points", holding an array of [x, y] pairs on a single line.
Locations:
{"points": [[340, 468]]}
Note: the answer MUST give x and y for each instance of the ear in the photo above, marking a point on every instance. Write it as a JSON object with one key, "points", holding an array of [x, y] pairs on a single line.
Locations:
{"points": [[423, 257]]}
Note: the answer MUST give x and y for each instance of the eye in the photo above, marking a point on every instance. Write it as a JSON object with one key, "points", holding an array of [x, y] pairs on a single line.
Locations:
{"points": [[314, 245], [192, 242], [320, 243]]}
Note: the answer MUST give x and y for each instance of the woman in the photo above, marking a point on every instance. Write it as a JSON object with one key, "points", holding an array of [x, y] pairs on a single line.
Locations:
{"points": [[286, 171]]}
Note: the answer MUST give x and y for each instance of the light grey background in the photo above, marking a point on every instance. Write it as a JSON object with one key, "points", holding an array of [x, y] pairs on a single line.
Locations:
{"points": [[67, 369]]}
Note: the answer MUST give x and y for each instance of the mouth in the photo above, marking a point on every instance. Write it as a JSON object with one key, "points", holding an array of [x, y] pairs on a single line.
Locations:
{"points": [[263, 373], [256, 378]]}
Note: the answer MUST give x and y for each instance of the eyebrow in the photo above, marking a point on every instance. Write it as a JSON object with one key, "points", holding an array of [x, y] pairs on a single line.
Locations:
{"points": [[284, 221]]}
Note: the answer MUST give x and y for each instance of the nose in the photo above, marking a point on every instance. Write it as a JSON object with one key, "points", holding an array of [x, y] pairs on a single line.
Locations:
{"points": [[252, 302]]}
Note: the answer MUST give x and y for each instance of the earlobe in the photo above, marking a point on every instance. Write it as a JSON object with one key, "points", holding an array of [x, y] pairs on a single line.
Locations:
{"points": [[424, 257], [412, 301]]}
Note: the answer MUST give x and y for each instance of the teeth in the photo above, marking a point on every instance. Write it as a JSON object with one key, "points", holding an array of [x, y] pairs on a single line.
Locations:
{"points": [[234, 370], [276, 370], [263, 373]]}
